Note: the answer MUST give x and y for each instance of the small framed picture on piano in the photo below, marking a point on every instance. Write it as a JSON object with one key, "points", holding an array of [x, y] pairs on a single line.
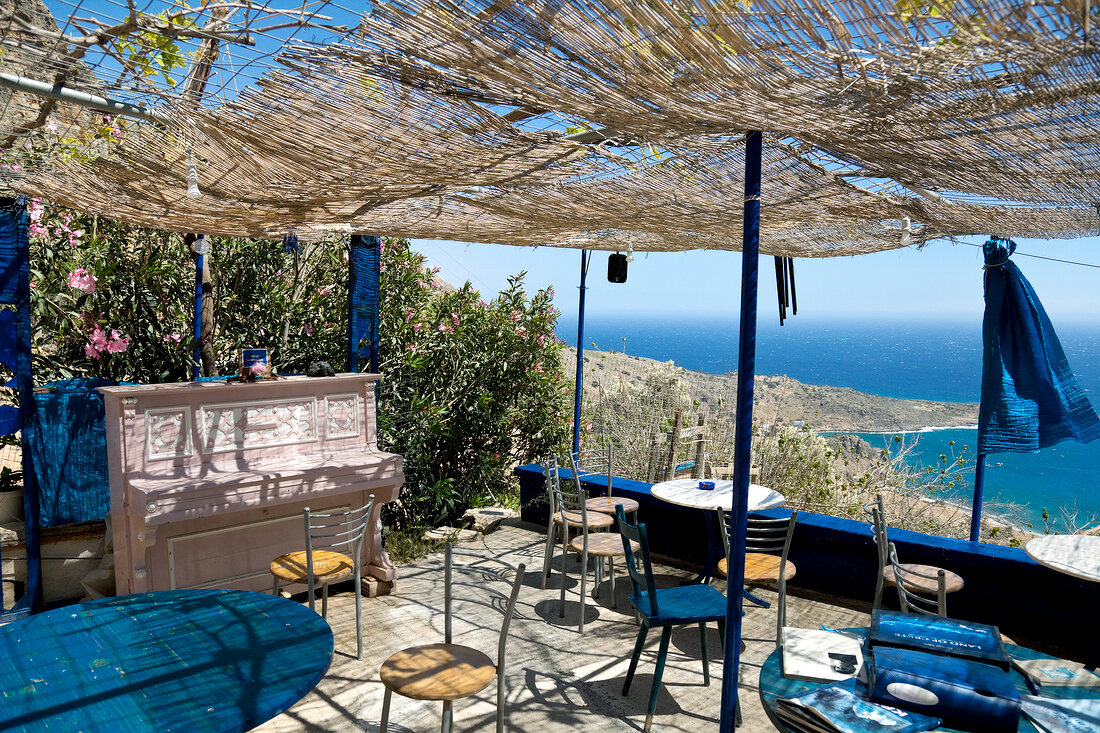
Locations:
{"points": [[253, 363]]}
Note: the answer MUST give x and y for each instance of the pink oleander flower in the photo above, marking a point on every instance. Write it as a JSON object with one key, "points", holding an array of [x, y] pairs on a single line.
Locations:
{"points": [[516, 316], [118, 343], [324, 291], [538, 367], [258, 369], [542, 339], [520, 331], [454, 318], [91, 351], [174, 336], [83, 280], [74, 237], [416, 327], [98, 339]]}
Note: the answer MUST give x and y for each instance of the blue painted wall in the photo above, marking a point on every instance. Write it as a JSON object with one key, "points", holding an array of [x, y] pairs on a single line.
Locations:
{"points": [[1030, 603]]}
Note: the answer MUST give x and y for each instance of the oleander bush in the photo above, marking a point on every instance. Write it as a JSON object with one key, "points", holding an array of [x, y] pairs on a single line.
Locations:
{"points": [[470, 387]]}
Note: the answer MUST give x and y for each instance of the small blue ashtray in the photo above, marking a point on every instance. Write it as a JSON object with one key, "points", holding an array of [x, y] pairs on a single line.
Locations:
{"points": [[706, 485]]}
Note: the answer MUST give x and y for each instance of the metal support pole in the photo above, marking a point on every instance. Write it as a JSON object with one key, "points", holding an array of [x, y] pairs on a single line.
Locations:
{"points": [[586, 257], [976, 511], [196, 321], [18, 83], [746, 374]]}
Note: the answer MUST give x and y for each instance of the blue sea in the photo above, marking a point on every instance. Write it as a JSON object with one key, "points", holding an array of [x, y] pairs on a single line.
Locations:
{"points": [[928, 360]]}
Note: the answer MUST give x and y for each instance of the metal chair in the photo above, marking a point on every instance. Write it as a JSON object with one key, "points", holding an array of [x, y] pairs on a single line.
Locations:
{"points": [[665, 607], [334, 547], [449, 671], [921, 578], [601, 461], [569, 501], [767, 544], [913, 587]]}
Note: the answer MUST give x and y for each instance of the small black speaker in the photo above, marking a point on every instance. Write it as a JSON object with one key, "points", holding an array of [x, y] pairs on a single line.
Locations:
{"points": [[616, 268]]}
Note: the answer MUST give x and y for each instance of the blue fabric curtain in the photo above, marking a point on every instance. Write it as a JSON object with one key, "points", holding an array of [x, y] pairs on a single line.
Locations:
{"points": [[70, 455], [1030, 398], [364, 260]]}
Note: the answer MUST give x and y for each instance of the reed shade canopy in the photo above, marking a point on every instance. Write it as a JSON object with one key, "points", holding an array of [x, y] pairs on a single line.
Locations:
{"points": [[585, 123]]}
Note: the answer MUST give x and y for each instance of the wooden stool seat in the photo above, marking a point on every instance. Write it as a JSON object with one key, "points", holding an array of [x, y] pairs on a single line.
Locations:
{"points": [[952, 581], [328, 567], [437, 672], [606, 504], [595, 521], [603, 544], [760, 567]]}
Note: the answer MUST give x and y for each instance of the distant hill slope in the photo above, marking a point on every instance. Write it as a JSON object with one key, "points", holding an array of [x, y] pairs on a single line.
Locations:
{"points": [[782, 400]]}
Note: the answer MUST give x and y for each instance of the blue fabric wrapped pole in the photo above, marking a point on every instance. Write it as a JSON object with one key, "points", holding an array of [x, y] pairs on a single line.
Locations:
{"points": [[1030, 398]]}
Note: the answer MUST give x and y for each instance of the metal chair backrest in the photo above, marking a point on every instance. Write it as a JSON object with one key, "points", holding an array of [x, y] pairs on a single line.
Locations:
{"points": [[641, 580], [877, 516], [762, 534], [480, 572], [595, 461], [914, 599], [567, 498], [340, 531]]}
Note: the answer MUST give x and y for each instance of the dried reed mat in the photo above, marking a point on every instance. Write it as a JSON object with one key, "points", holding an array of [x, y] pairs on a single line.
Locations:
{"points": [[604, 125]]}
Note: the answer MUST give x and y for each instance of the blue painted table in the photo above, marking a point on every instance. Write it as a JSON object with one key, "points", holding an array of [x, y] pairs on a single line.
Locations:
{"points": [[773, 685], [184, 660]]}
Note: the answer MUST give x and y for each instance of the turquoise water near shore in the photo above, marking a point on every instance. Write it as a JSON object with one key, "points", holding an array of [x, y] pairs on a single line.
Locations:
{"points": [[930, 360]]}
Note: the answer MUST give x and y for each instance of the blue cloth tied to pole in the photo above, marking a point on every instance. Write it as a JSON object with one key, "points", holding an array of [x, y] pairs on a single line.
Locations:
{"points": [[1030, 397]]}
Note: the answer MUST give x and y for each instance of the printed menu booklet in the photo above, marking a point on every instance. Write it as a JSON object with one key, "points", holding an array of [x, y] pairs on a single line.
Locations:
{"points": [[1057, 672], [836, 708], [963, 639], [1062, 716]]}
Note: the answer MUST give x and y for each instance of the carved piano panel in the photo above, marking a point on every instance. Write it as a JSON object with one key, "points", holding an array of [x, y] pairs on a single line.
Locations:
{"points": [[208, 479]]}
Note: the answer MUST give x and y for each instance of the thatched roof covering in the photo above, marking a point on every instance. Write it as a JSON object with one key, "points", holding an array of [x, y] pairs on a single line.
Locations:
{"points": [[887, 124]]}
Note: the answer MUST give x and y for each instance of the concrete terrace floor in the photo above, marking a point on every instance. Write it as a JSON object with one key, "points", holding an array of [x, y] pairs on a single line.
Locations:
{"points": [[556, 678]]}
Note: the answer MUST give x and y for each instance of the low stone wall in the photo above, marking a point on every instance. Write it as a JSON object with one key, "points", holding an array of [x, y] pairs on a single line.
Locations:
{"points": [[1029, 602], [69, 553]]}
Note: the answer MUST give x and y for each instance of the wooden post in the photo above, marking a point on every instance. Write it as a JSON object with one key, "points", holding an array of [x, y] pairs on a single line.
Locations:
{"points": [[670, 470], [700, 450], [651, 469]]}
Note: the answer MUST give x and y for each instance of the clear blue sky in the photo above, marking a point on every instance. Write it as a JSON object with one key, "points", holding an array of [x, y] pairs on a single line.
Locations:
{"points": [[942, 281]]}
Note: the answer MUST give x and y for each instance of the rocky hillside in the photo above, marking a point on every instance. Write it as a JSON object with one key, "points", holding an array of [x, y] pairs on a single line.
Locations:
{"points": [[782, 400]]}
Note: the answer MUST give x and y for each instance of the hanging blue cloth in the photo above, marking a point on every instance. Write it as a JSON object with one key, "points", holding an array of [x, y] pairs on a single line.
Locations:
{"points": [[1030, 398]]}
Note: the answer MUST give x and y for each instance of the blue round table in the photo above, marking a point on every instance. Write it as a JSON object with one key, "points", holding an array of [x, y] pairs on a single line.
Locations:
{"points": [[185, 660]]}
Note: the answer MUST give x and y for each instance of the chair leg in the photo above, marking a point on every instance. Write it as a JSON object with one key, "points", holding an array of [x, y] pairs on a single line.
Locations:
{"points": [[584, 578], [324, 600], [384, 725], [706, 654], [638, 645], [358, 616], [500, 701], [448, 717], [564, 557], [275, 586], [551, 538], [666, 635], [611, 574]]}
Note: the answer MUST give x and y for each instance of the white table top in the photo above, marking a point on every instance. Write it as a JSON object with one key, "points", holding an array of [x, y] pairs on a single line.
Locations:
{"points": [[1074, 554], [686, 492]]}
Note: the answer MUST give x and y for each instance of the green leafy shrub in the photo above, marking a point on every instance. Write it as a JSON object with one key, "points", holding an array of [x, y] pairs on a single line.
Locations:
{"points": [[469, 387]]}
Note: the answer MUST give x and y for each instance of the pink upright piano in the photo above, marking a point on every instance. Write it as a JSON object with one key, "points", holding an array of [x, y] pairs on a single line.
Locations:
{"points": [[208, 479]]}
